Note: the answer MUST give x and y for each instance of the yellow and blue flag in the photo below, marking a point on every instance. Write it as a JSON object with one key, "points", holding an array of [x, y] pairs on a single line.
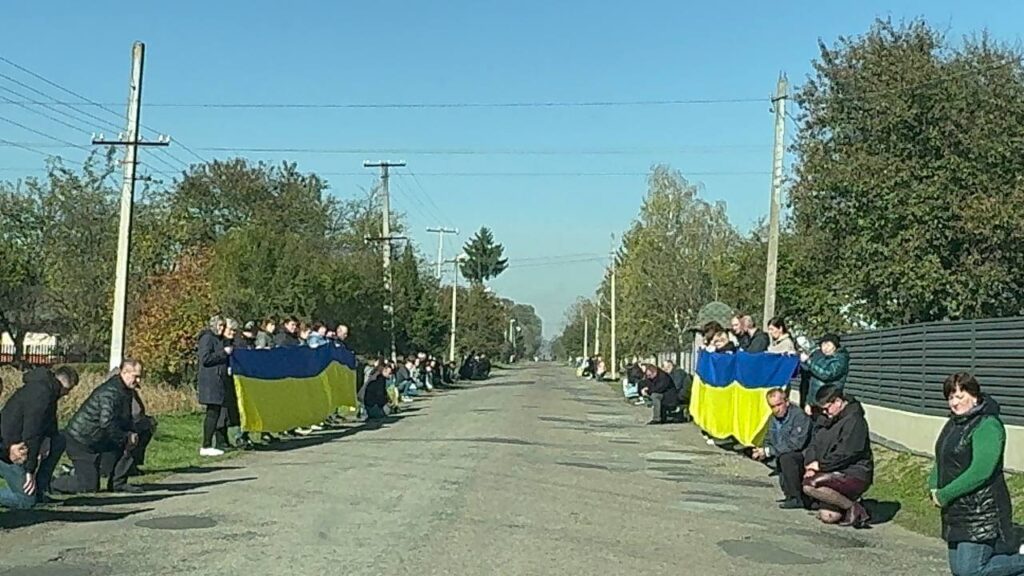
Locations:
{"points": [[728, 394], [287, 388]]}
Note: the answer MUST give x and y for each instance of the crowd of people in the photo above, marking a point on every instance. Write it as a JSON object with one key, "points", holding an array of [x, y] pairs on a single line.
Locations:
{"points": [[820, 446], [109, 433]]}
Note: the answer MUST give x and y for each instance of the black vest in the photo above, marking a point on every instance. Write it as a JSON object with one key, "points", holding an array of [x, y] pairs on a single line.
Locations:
{"points": [[985, 514]]}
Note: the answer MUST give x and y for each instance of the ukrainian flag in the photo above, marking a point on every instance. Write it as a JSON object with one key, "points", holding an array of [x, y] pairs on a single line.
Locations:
{"points": [[728, 394], [287, 388]]}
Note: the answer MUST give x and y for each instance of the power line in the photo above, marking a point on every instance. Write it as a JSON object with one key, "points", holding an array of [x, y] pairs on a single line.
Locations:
{"points": [[43, 134], [482, 151], [31, 149], [452, 105], [444, 215], [428, 204]]}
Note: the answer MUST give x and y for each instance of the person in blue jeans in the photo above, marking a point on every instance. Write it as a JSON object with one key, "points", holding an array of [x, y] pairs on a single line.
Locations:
{"points": [[29, 419], [967, 483]]}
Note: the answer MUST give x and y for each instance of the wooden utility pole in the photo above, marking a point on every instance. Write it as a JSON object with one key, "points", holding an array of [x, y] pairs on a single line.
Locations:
{"points": [[779, 103], [441, 231], [389, 305], [131, 142]]}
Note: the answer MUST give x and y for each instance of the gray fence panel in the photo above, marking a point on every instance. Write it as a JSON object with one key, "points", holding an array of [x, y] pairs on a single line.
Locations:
{"points": [[903, 368]]}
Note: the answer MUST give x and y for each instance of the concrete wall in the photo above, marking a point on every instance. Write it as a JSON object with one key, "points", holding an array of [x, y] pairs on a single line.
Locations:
{"points": [[917, 433]]}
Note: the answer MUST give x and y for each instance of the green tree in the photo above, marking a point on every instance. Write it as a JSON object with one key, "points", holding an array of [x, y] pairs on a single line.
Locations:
{"points": [[908, 197], [484, 257]]}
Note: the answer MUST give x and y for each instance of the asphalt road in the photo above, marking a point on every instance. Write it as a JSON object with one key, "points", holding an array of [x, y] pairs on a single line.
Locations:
{"points": [[533, 472]]}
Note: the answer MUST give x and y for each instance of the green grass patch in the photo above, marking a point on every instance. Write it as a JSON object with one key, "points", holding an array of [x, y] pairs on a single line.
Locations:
{"points": [[175, 447], [903, 478]]}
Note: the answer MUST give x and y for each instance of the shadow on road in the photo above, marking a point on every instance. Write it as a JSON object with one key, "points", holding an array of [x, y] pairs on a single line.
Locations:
{"points": [[881, 512], [21, 518], [99, 500], [188, 486]]}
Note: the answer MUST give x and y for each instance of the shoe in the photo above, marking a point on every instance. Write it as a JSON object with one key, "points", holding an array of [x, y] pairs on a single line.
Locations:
{"points": [[210, 452], [710, 442], [44, 499], [127, 489], [303, 431], [773, 473], [791, 504], [654, 422], [856, 516], [316, 428]]}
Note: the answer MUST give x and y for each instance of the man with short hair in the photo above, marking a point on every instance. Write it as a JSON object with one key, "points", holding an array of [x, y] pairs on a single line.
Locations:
{"points": [[788, 433], [739, 332], [287, 336], [757, 340], [29, 420], [245, 339], [682, 382], [840, 465], [659, 388], [265, 337], [103, 424]]}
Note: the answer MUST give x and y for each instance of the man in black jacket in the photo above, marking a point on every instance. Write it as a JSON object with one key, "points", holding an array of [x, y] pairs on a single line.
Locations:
{"points": [[30, 418], [757, 340], [659, 388], [840, 465], [287, 337], [788, 433], [103, 424]]}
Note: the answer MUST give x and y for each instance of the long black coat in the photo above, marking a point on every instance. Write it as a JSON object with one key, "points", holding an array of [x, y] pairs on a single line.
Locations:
{"points": [[213, 368]]}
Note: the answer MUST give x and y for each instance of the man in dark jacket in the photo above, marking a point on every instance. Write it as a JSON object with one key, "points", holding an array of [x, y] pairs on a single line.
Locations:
{"points": [[103, 424], [840, 465], [659, 388], [683, 383], [213, 378], [757, 340], [375, 395], [288, 335], [788, 433], [30, 418]]}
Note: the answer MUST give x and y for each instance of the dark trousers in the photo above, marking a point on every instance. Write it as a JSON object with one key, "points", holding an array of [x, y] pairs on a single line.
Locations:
{"points": [[144, 427], [791, 474], [661, 405], [45, 472], [87, 463], [215, 424]]}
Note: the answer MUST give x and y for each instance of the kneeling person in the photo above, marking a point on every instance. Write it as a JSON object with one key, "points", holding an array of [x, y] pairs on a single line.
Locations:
{"points": [[788, 432], [840, 465], [103, 424]]}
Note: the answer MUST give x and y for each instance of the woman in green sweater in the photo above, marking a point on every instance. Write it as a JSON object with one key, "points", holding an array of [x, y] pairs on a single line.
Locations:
{"points": [[967, 483]]}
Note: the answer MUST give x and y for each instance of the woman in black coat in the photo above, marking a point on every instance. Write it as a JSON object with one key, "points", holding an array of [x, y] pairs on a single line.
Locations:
{"points": [[213, 380]]}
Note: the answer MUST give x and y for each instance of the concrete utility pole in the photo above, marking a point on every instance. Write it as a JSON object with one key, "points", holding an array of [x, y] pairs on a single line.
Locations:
{"points": [[615, 358], [131, 142], [586, 335], [779, 102], [441, 231], [389, 306], [455, 297], [597, 331]]}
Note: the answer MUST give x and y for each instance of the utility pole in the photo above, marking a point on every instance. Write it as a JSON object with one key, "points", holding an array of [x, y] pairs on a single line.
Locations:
{"points": [[779, 102], [586, 335], [615, 358], [441, 231], [455, 298], [131, 143], [389, 306], [597, 331]]}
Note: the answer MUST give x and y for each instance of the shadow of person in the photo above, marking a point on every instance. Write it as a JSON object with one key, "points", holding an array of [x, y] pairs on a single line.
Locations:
{"points": [[21, 518], [881, 511]]}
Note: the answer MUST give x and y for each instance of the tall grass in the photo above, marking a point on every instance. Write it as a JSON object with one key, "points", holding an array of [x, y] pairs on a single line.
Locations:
{"points": [[158, 397]]}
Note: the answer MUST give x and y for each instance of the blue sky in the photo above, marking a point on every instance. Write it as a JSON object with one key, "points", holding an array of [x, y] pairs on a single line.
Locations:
{"points": [[462, 51]]}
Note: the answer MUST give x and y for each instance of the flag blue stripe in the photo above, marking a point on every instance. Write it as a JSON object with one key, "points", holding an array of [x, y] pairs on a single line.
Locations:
{"points": [[293, 362], [748, 370]]}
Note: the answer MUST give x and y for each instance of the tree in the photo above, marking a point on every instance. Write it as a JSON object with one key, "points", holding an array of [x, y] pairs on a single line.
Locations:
{"points": [[482, 321], [908, 194], [529, 337], [484, 257]]}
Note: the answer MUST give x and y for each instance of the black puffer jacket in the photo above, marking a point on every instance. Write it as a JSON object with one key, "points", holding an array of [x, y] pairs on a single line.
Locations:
{"points": [[105, 418], [984, 515], [31, 412]]}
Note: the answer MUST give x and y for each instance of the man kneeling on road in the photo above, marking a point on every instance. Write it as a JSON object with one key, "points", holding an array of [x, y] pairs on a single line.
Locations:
{"points": [[103, 424], [840, 463], [788, 432], [659, 388], [29, 420]]}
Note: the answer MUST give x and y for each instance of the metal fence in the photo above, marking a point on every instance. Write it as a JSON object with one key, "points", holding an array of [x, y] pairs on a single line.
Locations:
{"points": [[903, 368]]}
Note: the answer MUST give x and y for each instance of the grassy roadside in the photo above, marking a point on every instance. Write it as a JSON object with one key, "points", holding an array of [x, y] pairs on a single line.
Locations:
{"points": [[903, 478]]}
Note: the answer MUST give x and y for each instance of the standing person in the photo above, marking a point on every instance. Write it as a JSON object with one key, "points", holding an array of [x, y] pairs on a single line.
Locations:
{"points": [[317, 335], [213, 358], [788, 433], [782, 342], [265, 337], [739, 332], [246, 338], [757, 340], [103, 424], [967, 483], [828, 365], [29, 419], [288, 336], [341, 335]]}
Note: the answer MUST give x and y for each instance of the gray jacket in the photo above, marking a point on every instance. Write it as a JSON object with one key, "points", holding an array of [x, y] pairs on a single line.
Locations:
{"points": [[790, 434]]}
